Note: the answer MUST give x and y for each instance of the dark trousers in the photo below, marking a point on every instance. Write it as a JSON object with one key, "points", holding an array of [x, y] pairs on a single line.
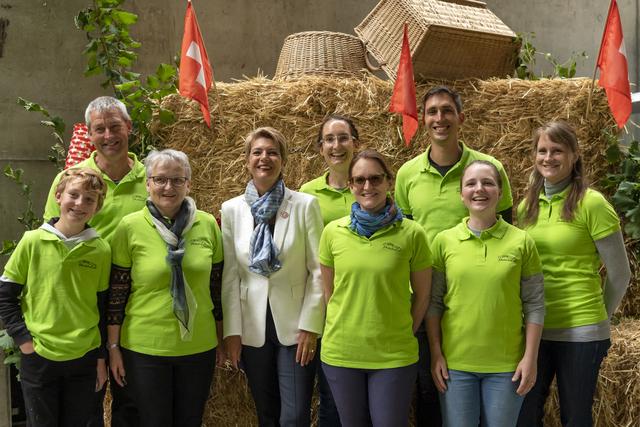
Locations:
{"points": [[576, 366], [327, 411], [169, 391], [58, 393], [280, 387], [372, 397], [427, 401]]}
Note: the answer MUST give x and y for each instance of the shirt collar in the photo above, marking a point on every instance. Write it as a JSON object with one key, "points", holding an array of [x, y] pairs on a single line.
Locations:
{"points": [[497, 230], [427, 167]]}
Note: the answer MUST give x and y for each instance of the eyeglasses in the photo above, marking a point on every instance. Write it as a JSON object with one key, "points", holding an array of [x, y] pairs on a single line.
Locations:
{"points": [[341, 139], [176, 182], [374, 180]]}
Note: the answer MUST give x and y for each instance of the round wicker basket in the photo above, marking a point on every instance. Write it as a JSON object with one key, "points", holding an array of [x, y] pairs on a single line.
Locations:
{"points": [[321, 53]]}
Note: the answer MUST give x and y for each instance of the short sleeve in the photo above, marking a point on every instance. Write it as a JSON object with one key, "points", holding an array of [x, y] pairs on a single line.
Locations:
{"points": [[400, 194], [421, 257], [436, 253], [105, 266], [531, 264], [600, 217], [51, 208], [507, 199], [325, 253], [17, 268], [216, 240], [120, 251]]}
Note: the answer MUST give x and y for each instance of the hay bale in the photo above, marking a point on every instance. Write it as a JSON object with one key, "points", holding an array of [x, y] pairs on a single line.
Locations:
{"points": [[617, 400], [500, 116]]}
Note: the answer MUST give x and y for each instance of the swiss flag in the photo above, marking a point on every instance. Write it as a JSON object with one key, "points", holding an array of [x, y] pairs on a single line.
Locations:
{"points": [[403, 99], [612, 61], [196, 75]]}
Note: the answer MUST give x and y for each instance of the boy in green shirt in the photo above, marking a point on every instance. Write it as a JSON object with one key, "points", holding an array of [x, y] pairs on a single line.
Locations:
{"points": [[52, 296]]}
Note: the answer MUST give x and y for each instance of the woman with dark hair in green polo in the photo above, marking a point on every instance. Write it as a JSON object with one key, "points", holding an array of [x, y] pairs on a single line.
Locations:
{"points": [[164, 303], [337, 140]]}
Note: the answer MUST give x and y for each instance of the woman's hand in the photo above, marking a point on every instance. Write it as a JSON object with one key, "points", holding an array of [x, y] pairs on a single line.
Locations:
{"points": [[526, 372], [27, 347], [307, 342], [233, 345], [101, 374], [439, 372], [117, 366]]}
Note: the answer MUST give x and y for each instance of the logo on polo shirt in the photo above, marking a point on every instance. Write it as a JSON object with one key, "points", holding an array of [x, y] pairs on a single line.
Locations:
{"points": [[139, 197], [507, 258], [391, 246], [199, 241], [87, 264]]}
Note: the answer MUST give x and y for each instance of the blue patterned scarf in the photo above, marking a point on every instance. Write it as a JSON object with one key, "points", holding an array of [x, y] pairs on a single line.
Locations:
{"points": [[365, 223], [263, 258]]}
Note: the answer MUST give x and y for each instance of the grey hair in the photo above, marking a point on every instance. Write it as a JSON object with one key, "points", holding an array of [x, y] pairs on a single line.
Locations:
{"points": [[105, 103], [167, 155]]}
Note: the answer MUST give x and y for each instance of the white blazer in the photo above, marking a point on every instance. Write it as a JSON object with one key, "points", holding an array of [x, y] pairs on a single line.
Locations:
{"points": [[294, 292]]}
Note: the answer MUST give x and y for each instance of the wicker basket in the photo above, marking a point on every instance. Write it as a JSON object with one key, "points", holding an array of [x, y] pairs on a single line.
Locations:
{"points": [[450, 39], [320, 53]]}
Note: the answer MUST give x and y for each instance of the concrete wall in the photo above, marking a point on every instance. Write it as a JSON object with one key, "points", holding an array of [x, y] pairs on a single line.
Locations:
{"points": [[41, 56]]}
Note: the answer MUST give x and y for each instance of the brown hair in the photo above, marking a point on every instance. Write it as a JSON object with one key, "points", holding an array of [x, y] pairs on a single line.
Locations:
{"points": [[437, 90], [269, 133], [352, 127], [372, 155], [90, 180], [494, 168], [561, 133]]}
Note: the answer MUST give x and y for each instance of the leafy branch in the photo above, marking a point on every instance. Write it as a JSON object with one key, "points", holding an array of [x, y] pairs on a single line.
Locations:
{"points": [[528, 55]]}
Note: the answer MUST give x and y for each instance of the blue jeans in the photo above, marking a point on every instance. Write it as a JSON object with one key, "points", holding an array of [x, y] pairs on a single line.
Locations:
{"points": [[576, 366], [474, 397], [372, 397], [327, 411], [281, 388]]}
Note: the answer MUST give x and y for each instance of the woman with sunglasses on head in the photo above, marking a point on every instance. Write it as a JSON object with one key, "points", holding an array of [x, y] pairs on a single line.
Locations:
{"points": [[271, 288], [487, 309], [337, 141], [164, 314], [576, 231], [376, 272]]}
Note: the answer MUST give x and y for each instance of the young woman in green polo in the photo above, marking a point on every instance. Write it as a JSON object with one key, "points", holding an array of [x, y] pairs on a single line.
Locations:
{"points": [[371, 261], [337, 140], [52, 295], [576, 230], [487, 309]]}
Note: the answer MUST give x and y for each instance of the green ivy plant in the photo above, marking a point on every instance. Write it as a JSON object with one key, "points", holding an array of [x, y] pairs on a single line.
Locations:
{"points": [[11, 351], [111, 51], [626, 183], [528, 55]]}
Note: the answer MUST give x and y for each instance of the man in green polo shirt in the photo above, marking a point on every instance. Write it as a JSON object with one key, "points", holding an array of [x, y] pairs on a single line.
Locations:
{"points": [[109, 127], [428, 191]]}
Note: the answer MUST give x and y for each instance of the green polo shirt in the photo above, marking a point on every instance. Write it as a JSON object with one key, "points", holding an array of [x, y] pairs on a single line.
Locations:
{"points": [[334, 203], [433, 200], [369, 323], [150, 327], [483, 325], [59, 297], [127, 196], [572, 285]]}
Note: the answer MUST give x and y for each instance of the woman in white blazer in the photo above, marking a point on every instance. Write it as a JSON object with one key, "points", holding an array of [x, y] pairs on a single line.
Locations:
{"points": [[271, 288]]}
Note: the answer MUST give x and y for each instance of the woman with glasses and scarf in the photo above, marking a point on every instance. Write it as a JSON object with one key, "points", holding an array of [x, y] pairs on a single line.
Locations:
{"points": [[164, 301], [271, 288], [376, 272]]}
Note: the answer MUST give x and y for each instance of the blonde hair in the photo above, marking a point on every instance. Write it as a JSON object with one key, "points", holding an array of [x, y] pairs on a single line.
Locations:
{"points": [[90, 180], [268, 133]]}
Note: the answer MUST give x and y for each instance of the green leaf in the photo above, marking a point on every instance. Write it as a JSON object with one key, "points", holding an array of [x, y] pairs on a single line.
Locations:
{"points": [[165, 72], [6, 342], [8, 247], [125, 18], [31, 106], [153, 82], [12, 359], [126, 87]]}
